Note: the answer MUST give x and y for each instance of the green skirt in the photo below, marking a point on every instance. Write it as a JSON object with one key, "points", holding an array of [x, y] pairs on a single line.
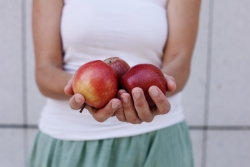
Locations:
{"points": [[168, 147]]}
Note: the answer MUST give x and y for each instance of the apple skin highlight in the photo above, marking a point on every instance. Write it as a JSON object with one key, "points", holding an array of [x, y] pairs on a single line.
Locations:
{"points": [[97, 82]]}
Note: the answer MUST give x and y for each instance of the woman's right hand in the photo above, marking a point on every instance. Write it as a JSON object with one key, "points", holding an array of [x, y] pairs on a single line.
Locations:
{"points": [[77, 101]]}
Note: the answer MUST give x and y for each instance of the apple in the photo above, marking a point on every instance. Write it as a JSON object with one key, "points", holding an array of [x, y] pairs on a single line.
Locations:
{"points": [[119, 66], [144, 76], [97, 82]]}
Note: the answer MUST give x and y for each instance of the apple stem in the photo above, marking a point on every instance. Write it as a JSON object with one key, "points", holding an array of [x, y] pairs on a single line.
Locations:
{"points": [[83, 106]]}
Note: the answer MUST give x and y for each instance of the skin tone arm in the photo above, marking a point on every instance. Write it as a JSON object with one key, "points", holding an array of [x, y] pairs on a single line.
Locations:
{"points": [[183, 19], [50, 77]]}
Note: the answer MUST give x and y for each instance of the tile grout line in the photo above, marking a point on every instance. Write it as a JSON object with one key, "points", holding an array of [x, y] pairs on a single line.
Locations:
{"points": [[24, 79], [208, 82]]}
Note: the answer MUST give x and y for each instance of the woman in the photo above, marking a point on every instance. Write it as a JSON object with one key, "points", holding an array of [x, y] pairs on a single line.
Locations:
{"points": [[126, 132]]}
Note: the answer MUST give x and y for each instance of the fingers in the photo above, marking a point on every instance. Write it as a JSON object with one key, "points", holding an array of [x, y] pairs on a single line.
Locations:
{"points": [[171, 84], [120, 115], [127, 113], [135, 108], [130, 112], [103, 114], [141, 105], [162, 104], [76, 101], [120, 112]]}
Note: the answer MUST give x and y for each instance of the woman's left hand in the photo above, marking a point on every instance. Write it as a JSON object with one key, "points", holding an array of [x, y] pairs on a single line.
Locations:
{"points": [[135, 108]]}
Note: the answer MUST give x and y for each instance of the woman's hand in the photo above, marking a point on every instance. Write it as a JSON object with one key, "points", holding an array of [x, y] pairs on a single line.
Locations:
{"points": [[136, 110], [133, 109], [77, 101]]}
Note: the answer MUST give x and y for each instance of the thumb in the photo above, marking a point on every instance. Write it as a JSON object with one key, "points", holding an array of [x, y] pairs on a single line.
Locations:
{"points": [[171, 83]]}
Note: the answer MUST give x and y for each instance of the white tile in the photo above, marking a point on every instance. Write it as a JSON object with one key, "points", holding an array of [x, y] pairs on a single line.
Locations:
{"points": [[194, 92], [228, 149], [11, 148], [196, 137], [230, 67], [11, 105], [35, 100]]}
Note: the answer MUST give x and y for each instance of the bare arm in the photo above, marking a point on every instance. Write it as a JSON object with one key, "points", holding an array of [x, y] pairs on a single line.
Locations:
{"points": [[183, 17], [50, 77]]}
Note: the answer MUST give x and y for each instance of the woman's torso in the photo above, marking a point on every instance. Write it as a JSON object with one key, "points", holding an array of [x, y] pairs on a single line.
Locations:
{"points": [[135, 31]]}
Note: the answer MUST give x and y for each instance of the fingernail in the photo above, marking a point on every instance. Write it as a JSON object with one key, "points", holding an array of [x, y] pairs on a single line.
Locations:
{"points": [[77, 100], [137, 94], [125, 99], [154, 91], [115, 105]]}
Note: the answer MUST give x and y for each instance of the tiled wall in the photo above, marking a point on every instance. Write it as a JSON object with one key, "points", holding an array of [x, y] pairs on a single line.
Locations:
{"points": [[216, 99]]}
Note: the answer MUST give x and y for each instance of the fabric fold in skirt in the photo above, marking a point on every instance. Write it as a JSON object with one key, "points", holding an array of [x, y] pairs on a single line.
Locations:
{"points": [[168, 147]]}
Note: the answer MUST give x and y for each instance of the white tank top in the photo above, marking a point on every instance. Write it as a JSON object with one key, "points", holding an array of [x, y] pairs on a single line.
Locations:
{"points": [[134, 30]]}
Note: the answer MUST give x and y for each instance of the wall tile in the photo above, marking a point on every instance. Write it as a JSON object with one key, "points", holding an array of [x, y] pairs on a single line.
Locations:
{"points": [[194, 92], [230, 68], [228, 149], [11, 148], [196, 137], [35, 100], [11, 108]]}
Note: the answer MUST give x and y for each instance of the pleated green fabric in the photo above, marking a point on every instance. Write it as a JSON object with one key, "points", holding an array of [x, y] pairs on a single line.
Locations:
{"points": [[168, 147]]}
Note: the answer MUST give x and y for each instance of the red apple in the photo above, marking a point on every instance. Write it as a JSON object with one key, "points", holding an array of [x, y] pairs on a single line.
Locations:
{"points": [[97, 82], [144, 76], [119, 66]]}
